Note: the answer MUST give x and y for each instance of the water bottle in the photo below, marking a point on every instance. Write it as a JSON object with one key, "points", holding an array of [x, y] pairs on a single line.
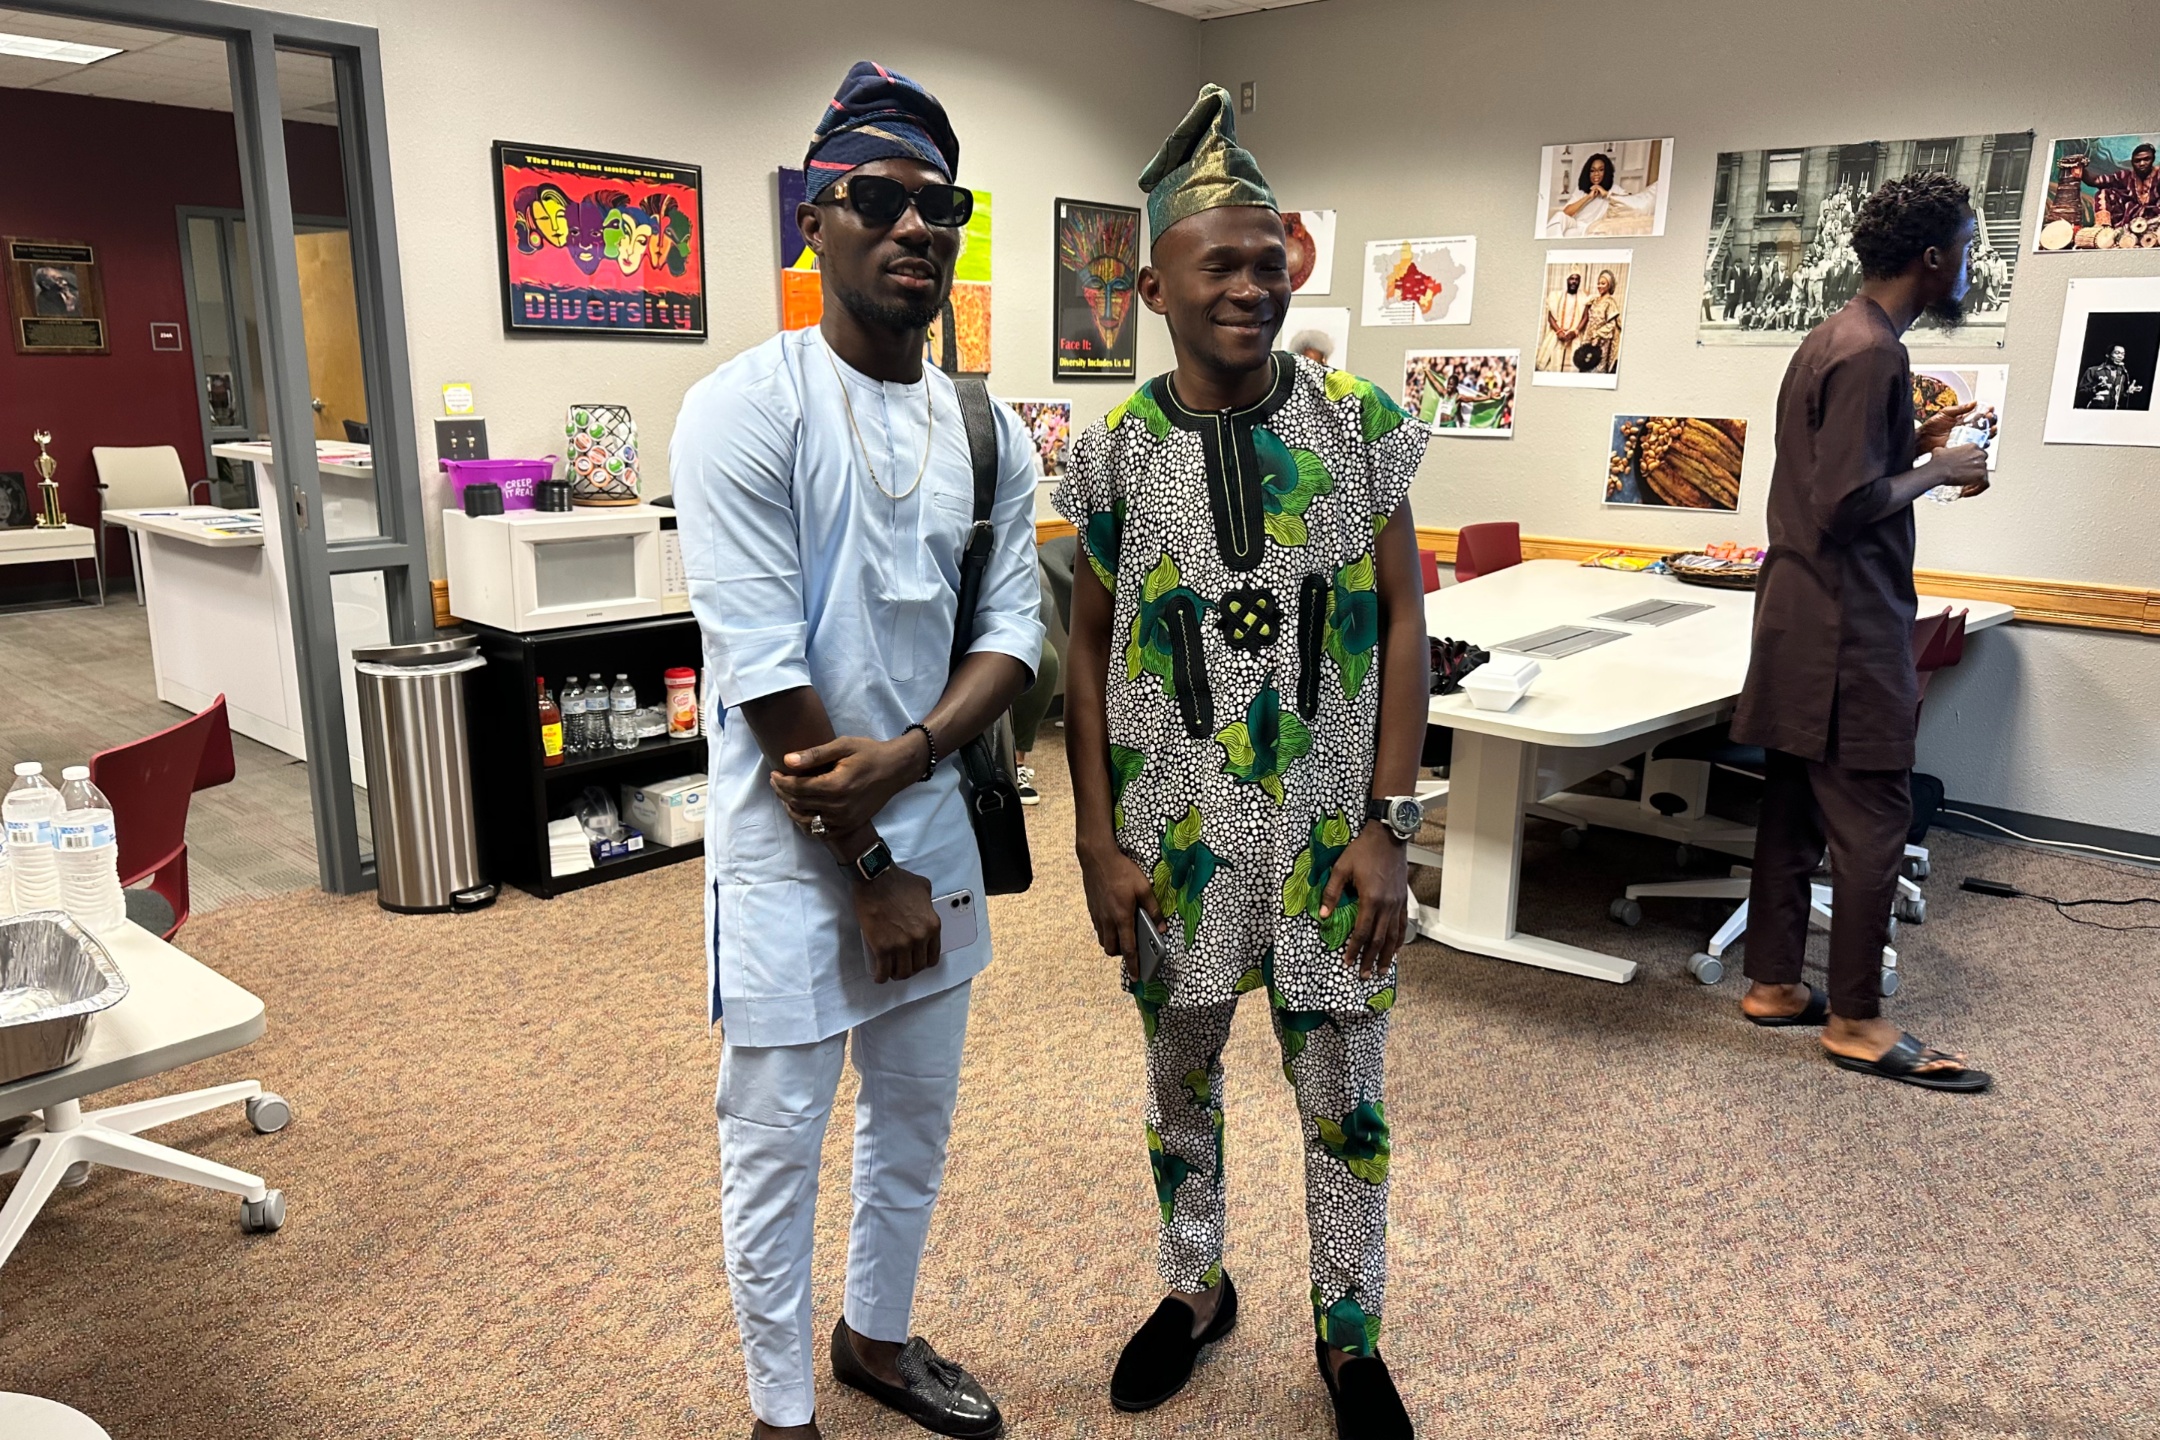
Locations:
{"points": [[571, 701], [622, 714], [7, 880], [597, 736], [31, 806], [89, 854]]}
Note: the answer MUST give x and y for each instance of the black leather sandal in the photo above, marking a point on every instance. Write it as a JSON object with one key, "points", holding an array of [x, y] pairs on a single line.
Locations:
{"points": [[1159, 1358], [1367, 1406], [1902, 1062], [1815, 1012]]}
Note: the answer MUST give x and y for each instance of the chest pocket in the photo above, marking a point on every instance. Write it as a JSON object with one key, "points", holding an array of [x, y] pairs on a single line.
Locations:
{"points": [[924, 580]]}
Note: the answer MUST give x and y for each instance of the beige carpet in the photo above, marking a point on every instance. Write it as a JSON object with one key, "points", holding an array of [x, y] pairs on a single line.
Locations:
{"points": [[1620, 1211]]}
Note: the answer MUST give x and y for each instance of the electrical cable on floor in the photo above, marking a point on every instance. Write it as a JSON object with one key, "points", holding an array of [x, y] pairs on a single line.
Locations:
{"points": [[2052, 844], [2063, 908]]}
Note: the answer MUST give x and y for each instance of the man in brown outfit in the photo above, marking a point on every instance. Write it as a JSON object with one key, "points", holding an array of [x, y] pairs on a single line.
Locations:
{"points": [[1831, 694]]}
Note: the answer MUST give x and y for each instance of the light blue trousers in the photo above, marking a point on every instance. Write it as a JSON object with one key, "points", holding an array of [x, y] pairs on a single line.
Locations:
{"points": [[773, 1103]]}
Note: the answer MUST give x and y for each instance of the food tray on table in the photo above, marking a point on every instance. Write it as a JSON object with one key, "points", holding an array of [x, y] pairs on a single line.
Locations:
{"points": [[53, 977], [1695, 568]]}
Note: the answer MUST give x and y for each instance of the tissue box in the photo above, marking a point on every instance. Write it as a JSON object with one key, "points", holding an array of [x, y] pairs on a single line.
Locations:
{"points": [[1500, 682], [605, 851], [670, 812]]}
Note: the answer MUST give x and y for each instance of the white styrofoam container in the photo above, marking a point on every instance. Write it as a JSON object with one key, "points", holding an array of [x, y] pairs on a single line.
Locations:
{"points": [[670, 812], [1500, 682]]}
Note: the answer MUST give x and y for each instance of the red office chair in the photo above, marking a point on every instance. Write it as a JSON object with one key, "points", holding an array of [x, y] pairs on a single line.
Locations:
{"points": [[1482, 549], [149, 782], [1429, 567]]}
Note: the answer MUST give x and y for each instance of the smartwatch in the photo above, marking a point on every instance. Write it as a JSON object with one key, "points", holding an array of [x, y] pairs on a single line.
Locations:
{"points": [[871, 863], [1402, 814]]}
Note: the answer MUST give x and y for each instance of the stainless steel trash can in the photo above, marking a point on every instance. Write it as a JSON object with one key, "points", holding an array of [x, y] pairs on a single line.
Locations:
{"points": [[420, 799]]}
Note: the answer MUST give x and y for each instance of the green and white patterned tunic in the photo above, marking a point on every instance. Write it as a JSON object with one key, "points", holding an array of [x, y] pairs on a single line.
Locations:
{"points": [[1242, 689]]}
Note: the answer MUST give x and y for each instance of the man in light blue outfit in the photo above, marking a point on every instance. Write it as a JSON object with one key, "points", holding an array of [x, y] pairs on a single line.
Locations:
{"points": [[825, 491]]}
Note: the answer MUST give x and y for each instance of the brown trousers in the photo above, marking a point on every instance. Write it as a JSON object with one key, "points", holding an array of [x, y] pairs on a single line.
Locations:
{"points": [[1861, 817]]}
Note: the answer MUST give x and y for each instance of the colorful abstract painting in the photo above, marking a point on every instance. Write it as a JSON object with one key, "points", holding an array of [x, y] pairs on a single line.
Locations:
{"points": [[599, 244]]}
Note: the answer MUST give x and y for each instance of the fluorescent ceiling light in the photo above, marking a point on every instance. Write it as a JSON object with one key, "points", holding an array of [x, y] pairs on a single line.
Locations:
{"points": [[67, 52]]}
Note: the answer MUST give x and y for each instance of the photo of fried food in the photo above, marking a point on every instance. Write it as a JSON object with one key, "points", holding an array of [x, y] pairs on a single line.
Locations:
{"points": [[1682, 461]]}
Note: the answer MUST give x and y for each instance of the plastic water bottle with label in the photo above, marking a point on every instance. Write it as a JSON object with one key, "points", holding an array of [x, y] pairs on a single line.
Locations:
{"points": [[622, 714], [596, 716], [571, 701], [1963, 434], [7, 880], [88, 849], [31, 807]]}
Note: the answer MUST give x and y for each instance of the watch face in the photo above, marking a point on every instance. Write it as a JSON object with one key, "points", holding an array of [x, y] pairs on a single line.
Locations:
{"points": [[1405, 815]]}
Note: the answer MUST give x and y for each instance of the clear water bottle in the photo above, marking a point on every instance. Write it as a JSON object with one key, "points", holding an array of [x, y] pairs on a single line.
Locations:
{"points": [[89, 853], [597, 734], [31, 807], [622, 714], [572, 703], [7, 880]]}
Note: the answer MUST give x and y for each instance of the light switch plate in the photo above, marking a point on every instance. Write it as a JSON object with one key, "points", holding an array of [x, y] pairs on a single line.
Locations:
{"points": [[1248, 96]]}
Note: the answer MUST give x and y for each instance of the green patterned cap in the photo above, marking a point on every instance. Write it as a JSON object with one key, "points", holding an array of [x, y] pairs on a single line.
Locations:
{"points": [[1201, 166]]}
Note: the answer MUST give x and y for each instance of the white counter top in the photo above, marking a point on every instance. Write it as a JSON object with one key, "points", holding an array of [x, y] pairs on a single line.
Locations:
{"points": [[334, 456], [196, 524]]}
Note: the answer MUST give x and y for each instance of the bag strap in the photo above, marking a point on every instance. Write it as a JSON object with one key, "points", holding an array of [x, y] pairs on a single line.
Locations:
{"points": [[981, 425]]}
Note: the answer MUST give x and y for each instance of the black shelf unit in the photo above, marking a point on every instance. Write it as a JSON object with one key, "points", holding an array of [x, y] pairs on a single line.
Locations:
{"points": [[516, 794]]}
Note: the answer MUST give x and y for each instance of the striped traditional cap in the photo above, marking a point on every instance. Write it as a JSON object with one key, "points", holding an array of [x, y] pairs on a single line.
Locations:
{"points": [[878, 114], [1201, 166]]}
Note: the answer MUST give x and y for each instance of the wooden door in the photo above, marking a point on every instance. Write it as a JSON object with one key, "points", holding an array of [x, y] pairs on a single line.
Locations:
{"points": [[332, 314]]}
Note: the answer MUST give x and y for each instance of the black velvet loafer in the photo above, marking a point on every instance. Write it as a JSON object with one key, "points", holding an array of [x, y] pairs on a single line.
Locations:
{"points": [[939, 1396], [1366, 1405], [1159, 1358]]}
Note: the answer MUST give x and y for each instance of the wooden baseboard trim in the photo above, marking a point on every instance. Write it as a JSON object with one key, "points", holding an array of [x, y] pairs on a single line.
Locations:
{"points": [[2127, 609]]}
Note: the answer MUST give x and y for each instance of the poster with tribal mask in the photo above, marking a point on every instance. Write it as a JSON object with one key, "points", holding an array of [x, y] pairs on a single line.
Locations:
{"points": [[1098, 266], [599, 244]]}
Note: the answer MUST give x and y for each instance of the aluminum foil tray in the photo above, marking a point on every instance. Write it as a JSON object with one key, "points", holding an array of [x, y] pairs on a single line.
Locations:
{"points": [[54, 976]]}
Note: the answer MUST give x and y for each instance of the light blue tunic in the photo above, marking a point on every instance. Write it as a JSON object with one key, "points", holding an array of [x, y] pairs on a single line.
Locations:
{"points": [[802, 573]]}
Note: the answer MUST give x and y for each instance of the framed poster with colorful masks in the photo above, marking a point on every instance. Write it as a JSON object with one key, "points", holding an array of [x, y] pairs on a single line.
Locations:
{"points": [[594, 244], [1098, 266]]}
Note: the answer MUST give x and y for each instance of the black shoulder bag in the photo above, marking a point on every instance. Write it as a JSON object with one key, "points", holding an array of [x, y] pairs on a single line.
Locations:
{"points": [[986, 762]]}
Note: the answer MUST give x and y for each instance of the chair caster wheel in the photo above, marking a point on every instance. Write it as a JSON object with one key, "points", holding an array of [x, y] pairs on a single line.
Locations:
{"points": [[1572, 839], [1917, 868], [1892, 935], [1913, 910], [1617, 787], [1706, 968], [1627, 912], [260, 1217], [75, 1175], [1890, 982], [269, 1114], [1683, 856]]}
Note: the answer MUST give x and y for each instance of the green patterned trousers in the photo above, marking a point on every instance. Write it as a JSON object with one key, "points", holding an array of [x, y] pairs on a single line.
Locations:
{"points": [[1336, 1064]]}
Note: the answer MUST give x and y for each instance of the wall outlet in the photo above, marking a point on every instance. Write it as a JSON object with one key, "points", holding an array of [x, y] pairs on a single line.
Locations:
{"points": [[1248, 97]]}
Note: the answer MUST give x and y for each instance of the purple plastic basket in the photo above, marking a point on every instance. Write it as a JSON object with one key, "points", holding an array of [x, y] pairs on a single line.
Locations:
{"points": [[519, 479]]}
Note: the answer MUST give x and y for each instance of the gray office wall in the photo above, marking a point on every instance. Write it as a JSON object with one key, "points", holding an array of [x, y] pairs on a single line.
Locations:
{"points": [[1412, 117]]}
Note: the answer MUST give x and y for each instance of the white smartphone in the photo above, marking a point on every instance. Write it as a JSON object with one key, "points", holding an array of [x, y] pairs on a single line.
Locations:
{"points": [[956, 921]]}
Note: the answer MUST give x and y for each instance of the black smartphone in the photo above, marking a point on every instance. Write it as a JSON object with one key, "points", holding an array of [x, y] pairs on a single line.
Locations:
{"points": [[1150, 944]]}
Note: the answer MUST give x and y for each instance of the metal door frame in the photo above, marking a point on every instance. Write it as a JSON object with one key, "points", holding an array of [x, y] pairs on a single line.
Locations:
{"points": [[252, 38]]}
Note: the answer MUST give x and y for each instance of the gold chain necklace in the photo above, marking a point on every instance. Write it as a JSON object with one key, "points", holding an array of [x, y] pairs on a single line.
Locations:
{"points": [[929, 431]]}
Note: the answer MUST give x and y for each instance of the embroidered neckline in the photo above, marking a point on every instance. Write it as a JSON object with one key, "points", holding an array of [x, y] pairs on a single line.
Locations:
{"points": [[1188, 419]]}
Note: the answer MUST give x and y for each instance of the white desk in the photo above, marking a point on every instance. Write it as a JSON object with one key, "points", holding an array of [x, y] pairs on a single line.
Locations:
{"points": [[37, 545], [220, 612], [177, 1011], [1584, 713]]}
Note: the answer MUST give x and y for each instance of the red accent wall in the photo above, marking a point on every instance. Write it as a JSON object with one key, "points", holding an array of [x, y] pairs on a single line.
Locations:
{"points": [[113, 173]]}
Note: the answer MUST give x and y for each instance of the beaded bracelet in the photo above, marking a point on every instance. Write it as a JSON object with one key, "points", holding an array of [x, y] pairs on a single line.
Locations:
{"points": [[930, 740]]}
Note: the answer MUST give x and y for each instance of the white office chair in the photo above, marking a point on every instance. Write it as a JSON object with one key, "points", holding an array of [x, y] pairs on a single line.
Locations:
{"points": [[137, 477]]}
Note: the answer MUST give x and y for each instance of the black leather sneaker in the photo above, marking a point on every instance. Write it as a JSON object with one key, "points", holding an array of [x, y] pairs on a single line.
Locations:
{"points": [[939, 1395], [1366, 1405], [1159, 1358]]}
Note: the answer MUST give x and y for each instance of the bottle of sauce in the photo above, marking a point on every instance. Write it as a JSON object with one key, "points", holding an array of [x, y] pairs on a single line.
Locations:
{"points": [[550, 727]]}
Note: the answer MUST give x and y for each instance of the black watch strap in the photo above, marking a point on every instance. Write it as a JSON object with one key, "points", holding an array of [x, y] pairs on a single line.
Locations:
{"points": [[1375, 808], [871, 863]]}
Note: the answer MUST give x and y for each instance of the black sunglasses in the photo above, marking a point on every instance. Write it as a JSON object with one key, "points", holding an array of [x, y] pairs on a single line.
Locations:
{"points": [[881, 200]]}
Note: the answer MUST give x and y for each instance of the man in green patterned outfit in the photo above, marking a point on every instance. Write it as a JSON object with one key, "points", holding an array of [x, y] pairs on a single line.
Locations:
{"points": [[1245, 706]]}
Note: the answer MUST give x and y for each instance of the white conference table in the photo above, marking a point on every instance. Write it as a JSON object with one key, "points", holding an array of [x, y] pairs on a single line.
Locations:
{"points": [[177, 1011], [219, 608], [1584, 713]]}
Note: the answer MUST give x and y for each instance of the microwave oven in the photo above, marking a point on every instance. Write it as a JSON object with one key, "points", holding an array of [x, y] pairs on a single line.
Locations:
{"points": [[528, 570]]}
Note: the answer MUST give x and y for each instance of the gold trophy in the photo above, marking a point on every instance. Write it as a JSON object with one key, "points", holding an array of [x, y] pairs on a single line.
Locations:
{"points": [[49, 513]]}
